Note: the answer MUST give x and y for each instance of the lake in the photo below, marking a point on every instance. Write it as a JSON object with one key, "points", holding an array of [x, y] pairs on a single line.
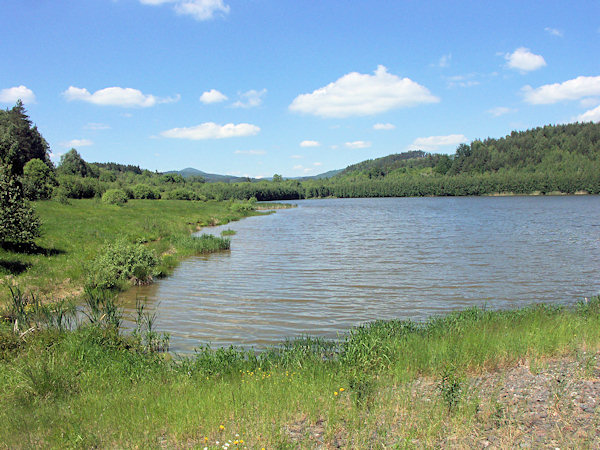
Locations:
{"points": [[331, 264]]}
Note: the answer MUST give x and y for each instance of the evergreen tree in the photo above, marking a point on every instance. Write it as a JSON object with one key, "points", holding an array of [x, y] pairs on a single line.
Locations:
{"points": [[20, 140]]}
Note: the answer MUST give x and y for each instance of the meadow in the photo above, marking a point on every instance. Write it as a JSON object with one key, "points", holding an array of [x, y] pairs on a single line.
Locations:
{"points": [[73, 234]]}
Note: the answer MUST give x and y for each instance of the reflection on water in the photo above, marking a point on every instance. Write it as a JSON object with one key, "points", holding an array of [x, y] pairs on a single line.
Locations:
{"points": [[328, 265]]}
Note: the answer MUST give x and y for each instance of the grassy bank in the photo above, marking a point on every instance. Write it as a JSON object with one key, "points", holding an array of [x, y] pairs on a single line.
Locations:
{"points": [[389, 383], [74, 233]]}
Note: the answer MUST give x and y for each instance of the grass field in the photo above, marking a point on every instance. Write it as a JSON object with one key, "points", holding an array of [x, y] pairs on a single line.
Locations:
{"points": [[72, 235], [390, 383]]}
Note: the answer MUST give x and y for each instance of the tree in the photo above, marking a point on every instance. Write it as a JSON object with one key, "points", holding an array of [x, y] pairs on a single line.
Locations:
{"points": [[38, 180], [277, 178], [18, 222], [20, 140], [71, 163]]}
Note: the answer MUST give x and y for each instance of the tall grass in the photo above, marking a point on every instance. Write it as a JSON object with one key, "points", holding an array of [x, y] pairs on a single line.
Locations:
{"points": [[94, 386]]}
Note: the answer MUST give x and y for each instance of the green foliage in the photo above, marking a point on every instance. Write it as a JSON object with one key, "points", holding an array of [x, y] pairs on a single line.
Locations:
{"points": [[120, 262], [20, 141], [143, 191], [18, 222], [181, 194], [115, 197], [205, 243], [71, 163], [451, 386], [39, 180]]}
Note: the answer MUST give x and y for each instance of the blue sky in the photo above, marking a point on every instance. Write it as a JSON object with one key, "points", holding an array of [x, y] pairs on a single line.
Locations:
{"points": [[257, 87]]}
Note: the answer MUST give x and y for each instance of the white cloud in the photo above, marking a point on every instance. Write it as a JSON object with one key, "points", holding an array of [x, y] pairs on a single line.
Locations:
{"points": [[11, 95], [250, 99], [357, 94], [317, 164], [212, 96], [523, 60], [500, 111], [433, 142], [77, 143], [211, 130], [463, 80], [593, 115], [554, 32], [574, 89], [445, 60], [250, 152], [296, 156], [96, 126], [310, 144], [358, 144], [199, 9], [298, 167], [116, 96], [384, 126]]}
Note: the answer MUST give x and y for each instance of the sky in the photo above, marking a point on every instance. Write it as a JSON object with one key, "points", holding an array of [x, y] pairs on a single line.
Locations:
{"points": [[258, 87]]}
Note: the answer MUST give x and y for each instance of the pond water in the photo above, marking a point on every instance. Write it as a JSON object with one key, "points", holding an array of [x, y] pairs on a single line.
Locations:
{"points": [[328, 265]]}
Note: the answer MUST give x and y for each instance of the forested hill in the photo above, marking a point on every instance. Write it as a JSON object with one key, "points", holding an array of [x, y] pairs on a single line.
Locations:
{"points": [[552, 148]]}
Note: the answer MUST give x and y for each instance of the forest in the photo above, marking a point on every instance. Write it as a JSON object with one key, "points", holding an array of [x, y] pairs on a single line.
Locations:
{"points": [[543, 160]]}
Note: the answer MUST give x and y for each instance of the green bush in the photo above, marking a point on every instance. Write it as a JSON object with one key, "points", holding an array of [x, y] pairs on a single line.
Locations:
{"points": [[143, 191], [119, 262], [181, 194], [114, 197]]}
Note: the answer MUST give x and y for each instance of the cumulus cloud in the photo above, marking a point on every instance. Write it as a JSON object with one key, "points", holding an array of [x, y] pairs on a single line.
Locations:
{"points": [[77, 143], [250, 99], [250, 152], [574, 89], [310, 144], [500, 111], [296, 156], [357, 94], [11, 95], [433, 142], [358, 144], [384, 126], [317, 164], [199, 9], [593, 115], [211, 130], [212, 96], [553, 32], [116, 96], [523, 60]]}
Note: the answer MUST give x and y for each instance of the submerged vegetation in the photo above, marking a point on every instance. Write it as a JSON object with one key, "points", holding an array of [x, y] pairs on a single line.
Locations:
{"points": [[90, 384]]}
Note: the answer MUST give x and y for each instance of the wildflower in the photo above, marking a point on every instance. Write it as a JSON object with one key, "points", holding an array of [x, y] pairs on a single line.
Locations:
{"points": [[205, 438], [335, 393], [342, 389], [221, 427]]}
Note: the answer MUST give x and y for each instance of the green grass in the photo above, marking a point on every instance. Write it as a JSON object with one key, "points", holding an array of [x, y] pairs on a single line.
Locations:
{"points": [[73, 234], [94, 387]]}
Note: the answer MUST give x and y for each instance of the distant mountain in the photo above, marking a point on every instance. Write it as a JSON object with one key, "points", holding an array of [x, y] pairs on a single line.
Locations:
{"points": [[209, 177]]}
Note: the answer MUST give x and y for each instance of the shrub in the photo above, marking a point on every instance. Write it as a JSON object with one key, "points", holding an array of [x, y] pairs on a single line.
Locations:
{"points": [[114, 197], [143, 191], [119, 262], [181, 194], [18, 222]]}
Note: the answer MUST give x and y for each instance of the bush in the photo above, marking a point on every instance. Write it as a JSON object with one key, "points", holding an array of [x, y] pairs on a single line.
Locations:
{"points": [[181, 194], [143, 191], [18, 222], [119, 262], [114, 197]]}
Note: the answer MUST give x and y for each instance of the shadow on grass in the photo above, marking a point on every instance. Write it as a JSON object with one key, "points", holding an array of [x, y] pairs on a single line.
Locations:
{"points": [[30, 249], [13, 267]]}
